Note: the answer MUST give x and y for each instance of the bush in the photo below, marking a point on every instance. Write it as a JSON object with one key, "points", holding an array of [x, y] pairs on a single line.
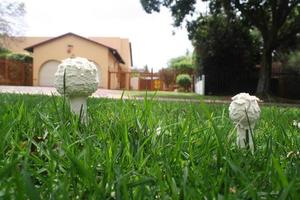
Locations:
{"points": [[293, 63], [4, 51], [184, 81], [19, 57], [7, 54]]}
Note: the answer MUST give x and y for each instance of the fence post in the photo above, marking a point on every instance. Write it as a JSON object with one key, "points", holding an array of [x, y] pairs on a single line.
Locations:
{"points": [[6, 70], [129, 79], [193, 83], [151, 85], [23, 74], [108, 84], [203, 84]]}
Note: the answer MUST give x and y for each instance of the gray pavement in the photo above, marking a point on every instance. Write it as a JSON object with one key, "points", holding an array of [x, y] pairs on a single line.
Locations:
{"points": [[116, 94], [100, 93]]}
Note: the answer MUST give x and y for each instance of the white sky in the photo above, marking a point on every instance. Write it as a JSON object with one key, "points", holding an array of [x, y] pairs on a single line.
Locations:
{"points": [[150, 34]]}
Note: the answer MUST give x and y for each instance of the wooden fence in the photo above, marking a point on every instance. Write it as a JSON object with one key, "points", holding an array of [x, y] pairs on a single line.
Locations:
{"points": [[286, 85], [151, 81], [15, 72], [159, 81]]}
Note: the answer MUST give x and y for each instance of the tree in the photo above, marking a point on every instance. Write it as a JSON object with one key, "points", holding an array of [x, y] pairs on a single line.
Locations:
{"points": [[168, 76], [11, 14], [228, 52], [293, 61], [276, 20], [184, 81], [182, 64], [146, 69]]}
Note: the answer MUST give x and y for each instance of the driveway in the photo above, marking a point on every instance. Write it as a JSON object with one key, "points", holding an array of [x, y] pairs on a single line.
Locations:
{"points": [[100, 93]]}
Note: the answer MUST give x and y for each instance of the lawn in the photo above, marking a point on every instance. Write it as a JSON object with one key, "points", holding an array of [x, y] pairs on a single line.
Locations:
{"points": [[171, 95], [143, 150]]}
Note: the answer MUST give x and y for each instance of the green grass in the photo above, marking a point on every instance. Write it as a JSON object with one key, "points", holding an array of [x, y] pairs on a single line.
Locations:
{"points": [[170, 95], [142, 150]]}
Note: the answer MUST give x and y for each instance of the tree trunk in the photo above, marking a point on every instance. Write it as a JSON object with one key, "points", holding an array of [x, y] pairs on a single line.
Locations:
{"points": [[263, 86]]}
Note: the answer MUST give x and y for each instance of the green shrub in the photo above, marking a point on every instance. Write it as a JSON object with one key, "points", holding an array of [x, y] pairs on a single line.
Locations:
{"points": [[184, 81], [20, 57], [16, 56], [4, 52], [293, 62]]}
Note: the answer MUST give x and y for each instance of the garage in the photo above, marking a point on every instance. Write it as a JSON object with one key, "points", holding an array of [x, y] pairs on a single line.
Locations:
{"points": [[100, 85], [49, 52], [46, 75]]}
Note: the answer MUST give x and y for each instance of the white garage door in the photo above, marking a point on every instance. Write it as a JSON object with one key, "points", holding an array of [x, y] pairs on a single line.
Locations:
{"points": [[47, 71], [99, 75]]}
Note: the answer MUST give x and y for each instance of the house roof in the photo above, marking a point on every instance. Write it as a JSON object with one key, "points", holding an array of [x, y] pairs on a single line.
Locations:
{"points": [[114, 52]]}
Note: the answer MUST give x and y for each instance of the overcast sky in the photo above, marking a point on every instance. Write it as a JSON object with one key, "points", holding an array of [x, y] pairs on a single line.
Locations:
{"points": [[150, 34]]}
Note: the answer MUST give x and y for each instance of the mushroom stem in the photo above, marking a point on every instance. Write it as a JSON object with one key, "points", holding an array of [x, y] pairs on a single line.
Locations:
{"points": [[244, 139], [79, 107]]}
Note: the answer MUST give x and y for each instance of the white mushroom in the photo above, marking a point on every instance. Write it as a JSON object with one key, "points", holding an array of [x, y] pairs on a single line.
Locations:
{"points": [[296, 124], [244, 111], [77, 78]]}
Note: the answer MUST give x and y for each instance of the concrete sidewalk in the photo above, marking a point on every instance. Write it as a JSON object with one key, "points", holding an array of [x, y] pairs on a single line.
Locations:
{"points": [[116, 94], [100, 93]]}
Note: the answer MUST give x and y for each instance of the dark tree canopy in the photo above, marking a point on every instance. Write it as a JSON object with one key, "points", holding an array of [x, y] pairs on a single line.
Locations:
{"points": [[179, 8], [228, 54], [276, 20]]}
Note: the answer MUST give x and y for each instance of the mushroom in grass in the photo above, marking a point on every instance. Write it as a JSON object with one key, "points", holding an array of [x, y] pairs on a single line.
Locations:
{"points": [[244, 111], [77, 78]]}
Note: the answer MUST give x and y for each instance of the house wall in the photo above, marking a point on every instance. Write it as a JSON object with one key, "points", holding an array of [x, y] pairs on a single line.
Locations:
{"points": [[125, 51], [113, 67], [18, 44], [58, 50], [122, 45], [119, 79]]}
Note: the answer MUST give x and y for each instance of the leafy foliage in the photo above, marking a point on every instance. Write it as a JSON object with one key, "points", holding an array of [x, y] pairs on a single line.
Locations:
{"points": [[20, 57], [278, 21], [4, 51], [228, 52], [293, 62], [11, 13], [182, 64], [16, 56], [184, 81], [179, 8]]}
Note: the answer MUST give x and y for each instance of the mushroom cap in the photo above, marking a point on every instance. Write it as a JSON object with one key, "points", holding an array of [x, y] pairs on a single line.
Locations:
{"points": [[81, 77], [244, 105]]}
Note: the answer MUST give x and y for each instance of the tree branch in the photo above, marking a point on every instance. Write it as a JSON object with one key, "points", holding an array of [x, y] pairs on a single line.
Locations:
{"points": [[292, 30], [254, 17], [284, 10]]}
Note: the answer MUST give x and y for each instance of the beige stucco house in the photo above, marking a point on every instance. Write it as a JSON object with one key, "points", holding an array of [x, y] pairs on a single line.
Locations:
{"points": [[112, 56]]}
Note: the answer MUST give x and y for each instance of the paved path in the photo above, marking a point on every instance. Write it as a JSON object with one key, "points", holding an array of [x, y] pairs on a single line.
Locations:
{"points": [[116, 94], [104, 93], [100, 93]]}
